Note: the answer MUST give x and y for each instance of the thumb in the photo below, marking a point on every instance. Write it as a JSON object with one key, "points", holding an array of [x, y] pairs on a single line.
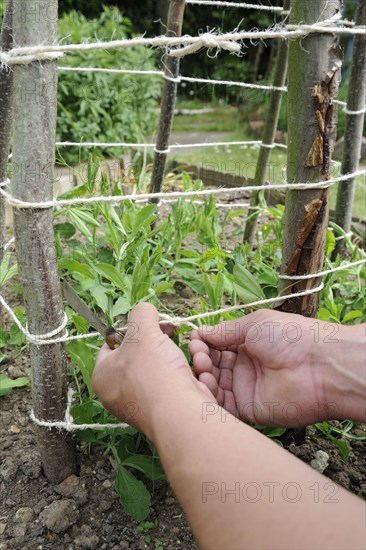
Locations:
{"points": [[143, 322], [228, 333]]}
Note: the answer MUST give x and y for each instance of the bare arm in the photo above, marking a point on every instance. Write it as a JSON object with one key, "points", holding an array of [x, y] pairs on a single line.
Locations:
{"points": [[242, 491], [239, 489]]}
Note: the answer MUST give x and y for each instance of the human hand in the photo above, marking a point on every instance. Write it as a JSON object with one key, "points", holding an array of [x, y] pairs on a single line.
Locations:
{"points": [[268, 368], [144, 372]]}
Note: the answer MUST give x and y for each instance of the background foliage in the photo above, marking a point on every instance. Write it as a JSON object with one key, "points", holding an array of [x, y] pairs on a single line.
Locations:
{"points": [[104, 107]]}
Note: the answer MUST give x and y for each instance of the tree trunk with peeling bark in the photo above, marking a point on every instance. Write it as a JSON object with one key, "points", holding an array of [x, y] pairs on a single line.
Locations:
{"points": [[269, 132], [171, 70], [35, 105], [354, 128], [6, 113], [314, 77]]}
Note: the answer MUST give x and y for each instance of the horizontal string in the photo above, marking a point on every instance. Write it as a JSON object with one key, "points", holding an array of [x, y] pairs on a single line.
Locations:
{"points": [[116, 199], [171, 147], [188, 44], [257, 7], [180, 79], [39, 340], [322, 273], [69, 425]]}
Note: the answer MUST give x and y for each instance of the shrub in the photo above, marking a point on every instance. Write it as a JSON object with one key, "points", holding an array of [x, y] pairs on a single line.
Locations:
{"points": [[104, 107]]}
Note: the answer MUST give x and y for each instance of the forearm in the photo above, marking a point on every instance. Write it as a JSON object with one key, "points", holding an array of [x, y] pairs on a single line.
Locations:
{"points": [[240, 490], [345, 374]]}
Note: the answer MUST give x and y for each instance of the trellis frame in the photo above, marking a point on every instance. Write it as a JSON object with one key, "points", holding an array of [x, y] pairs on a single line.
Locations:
{"points": [[35, 245], [35, 105]]}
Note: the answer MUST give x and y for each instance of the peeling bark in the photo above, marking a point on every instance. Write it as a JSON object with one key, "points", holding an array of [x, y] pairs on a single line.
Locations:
{"points": [[314, 77], [35, 89]]}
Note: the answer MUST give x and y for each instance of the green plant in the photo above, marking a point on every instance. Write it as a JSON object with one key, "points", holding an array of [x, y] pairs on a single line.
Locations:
{"points": [[104, 107], [7, 384]]}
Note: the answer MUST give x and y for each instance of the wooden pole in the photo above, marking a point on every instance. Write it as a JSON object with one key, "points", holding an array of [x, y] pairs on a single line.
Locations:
{"points": [[314, 77], [354, 128], [171, 70], [6, 113], [269, 132], [35, 105]]}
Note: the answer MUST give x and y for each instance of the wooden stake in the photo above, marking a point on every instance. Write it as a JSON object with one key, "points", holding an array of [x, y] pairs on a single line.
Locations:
{"points": [[35, 103], [6, 113], [314, 77], [269, 132], [171, 70], [354, 128]]}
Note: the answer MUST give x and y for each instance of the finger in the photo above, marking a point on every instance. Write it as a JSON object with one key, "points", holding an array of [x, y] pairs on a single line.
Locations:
{"points": [[202, 363], [196, 346], [209, 381], [226, 379], [167, 329], [195, 335]]}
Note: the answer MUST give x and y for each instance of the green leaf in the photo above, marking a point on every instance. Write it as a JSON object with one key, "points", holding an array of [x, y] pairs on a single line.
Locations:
{"points": [[111, 273], [99, 294], [74, 266], [121, 307], [246, 285], [65, 230], [7, 384], [133, 494], [6, 272], [343, 447], [352, 315], [324, 314], [331, 243], [148, 465]]}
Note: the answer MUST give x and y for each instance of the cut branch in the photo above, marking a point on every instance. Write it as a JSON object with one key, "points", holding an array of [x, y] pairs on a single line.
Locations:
{"points": [[269, 132], [33, 176], [314, 77], [6, 113], [354, 127], [171, 70]]}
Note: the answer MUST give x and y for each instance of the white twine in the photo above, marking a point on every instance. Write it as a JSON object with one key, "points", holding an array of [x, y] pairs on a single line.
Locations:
{"points": [[178, 80], [9, 244], [218, 3], [112, 71], [360, 112], [153, 146], [115, 199], [188, 44], [68, 424], [4, 183], [36, 339], [43, 340], [166, 152], [322, 273]]}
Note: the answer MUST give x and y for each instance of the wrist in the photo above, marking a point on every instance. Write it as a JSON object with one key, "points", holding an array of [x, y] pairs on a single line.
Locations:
{"points": [[344, 378]]}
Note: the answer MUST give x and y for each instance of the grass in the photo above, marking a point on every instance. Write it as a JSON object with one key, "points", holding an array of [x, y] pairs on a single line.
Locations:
{"points": [[239, 160]]}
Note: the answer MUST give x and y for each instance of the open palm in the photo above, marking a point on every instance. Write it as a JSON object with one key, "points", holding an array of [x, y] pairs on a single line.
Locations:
{"points": [[261, 368]]}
